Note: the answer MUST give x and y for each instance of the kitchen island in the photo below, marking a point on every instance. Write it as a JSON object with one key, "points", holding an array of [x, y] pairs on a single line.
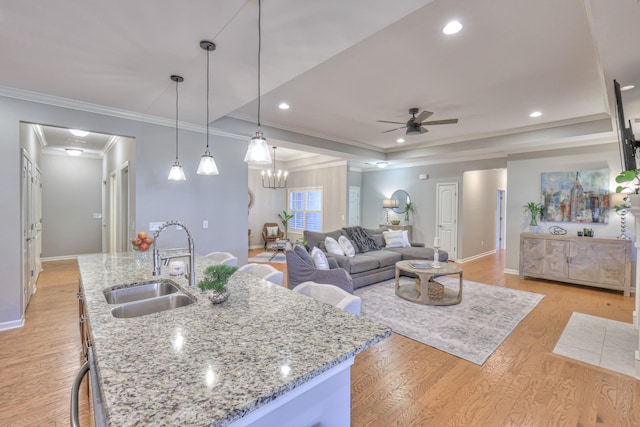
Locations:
{"points": [[266, 356]]}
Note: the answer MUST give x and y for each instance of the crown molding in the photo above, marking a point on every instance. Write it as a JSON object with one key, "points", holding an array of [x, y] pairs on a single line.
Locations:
{"points": [[57, 101]]}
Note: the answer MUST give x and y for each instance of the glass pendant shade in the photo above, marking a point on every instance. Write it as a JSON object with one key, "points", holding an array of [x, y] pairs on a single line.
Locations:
{"points": [[176, 173], [258, 151], [207, 165]]}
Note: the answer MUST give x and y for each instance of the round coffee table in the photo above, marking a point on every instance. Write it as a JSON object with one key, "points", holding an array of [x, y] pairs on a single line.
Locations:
{"points": [[427, 290]]}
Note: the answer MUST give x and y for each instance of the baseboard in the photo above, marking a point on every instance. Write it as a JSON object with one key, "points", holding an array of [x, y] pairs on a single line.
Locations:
{"points": [[59, 258], [484, 254], [510, 271], [12, 325]]}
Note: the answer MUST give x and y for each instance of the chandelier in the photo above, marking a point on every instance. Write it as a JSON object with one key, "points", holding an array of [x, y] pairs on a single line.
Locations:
{"points": [[271, 178]]}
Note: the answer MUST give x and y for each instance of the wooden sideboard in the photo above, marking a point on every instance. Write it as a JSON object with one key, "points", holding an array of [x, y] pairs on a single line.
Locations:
{"points": [[594, 261], [409, 228]]}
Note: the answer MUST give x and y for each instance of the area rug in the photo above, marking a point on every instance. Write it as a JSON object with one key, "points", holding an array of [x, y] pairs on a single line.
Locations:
{"points": [[264, 257], [471, 330]]}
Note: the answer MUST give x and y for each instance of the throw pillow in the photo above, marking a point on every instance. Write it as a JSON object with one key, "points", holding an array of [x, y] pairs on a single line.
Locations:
{"points": [[304, 255], [346, 246], [393, 239], [332, 246], [272, 231], [405, 238], [319, 259]]}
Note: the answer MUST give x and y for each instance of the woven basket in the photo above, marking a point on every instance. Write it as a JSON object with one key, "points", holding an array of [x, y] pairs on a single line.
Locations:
{"points": [[435, 290]]}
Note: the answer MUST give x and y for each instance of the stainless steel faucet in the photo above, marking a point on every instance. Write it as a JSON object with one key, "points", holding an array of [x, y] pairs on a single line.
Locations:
{"points": [[157, 258]]}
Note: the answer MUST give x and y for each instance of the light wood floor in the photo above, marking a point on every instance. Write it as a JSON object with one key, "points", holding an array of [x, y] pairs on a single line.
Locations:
{"points": [[396, 382]]}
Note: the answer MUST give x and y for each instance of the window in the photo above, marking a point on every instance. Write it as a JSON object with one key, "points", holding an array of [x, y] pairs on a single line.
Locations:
{"points": [[306, 207]]}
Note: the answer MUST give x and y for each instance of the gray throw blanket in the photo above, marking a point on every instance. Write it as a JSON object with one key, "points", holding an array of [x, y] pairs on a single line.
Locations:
{"points": [[362, 238]]}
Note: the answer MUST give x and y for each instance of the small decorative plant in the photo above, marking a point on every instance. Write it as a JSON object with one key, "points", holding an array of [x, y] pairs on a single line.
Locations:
{"points": [[536, 210], [409, 208], [284, 218], [216, 277], [628, 177]]}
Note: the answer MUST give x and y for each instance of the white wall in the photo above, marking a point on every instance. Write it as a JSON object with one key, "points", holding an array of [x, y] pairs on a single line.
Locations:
{"points": [[523, 186], [478, 221], [219, 199], [71, 194], [380, 184]]}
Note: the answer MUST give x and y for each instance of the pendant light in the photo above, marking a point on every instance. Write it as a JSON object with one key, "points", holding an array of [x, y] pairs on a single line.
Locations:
{"points": [[207, 165], [258, 151], [176, 173]]}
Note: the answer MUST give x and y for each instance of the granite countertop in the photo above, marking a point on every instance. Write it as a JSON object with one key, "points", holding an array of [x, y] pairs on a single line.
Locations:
{"points": [[206, 364]]}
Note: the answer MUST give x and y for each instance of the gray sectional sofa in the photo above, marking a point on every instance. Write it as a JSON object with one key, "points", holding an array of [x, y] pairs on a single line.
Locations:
{"points": [[374, 266]]}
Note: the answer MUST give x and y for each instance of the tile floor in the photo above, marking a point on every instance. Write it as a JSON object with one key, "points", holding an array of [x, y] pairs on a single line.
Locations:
{"points": [[602, 342]]}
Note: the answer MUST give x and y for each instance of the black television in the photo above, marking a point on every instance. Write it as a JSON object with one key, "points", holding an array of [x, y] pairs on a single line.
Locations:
{"points": [[626, 141]]}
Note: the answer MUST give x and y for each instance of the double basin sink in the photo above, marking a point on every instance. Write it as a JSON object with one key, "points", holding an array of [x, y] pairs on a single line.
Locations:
{"points": [[139, 299]]}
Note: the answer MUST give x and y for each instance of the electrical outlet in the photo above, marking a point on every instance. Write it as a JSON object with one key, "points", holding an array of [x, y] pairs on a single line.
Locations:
{"points": [[205, 224], [155, 226], [481, 243], [97, 216]]}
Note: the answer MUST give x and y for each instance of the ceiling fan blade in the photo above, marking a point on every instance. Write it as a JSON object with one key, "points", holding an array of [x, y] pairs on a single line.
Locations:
{"points": [[423, 116], [391, 130], [441, 122], [386, 121], [423, 130]]}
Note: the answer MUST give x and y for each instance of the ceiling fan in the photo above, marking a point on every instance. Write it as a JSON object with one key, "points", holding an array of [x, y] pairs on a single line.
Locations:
{"points": [[415, 124]]}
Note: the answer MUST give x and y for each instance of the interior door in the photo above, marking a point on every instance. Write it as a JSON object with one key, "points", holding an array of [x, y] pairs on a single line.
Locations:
{"points": [[447, 217], [354, 206], [28, 232]]}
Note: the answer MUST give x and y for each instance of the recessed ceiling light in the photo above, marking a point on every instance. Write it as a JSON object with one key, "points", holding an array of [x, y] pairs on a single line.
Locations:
{"points": [[283, 106], [627, 87], [78, 132], [73, 151], [535, 114], [382, 165], [452, 27], [400, 140]]}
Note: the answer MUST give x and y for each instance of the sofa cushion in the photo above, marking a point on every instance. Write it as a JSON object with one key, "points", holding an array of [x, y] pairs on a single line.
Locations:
{"points": [[315, 238], [358, 263], [418, 253], [304, 255], [332, 246], [385, 258]]}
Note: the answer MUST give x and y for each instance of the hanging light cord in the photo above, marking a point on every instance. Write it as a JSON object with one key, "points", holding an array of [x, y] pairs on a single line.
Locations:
{"points": [[259, 51], [176, 120], [208, 98]]}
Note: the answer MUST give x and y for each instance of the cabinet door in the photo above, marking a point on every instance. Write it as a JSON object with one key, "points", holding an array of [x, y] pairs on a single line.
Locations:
{"points": [[602, 263], [555, 259], [532, 256]]}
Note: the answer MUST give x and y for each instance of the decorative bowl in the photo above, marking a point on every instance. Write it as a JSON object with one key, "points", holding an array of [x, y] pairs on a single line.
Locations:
{"points": [[395, 222], [218, 297]]}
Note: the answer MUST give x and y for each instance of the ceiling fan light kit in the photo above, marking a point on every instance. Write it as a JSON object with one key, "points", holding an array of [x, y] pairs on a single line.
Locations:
{"points": [[415, 125]]}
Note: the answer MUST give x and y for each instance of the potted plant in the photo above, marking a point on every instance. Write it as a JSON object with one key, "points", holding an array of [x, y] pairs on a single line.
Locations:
{"points": [[285, 217], [535, 209], [628, 187], [215, 281], [408, 208]]}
